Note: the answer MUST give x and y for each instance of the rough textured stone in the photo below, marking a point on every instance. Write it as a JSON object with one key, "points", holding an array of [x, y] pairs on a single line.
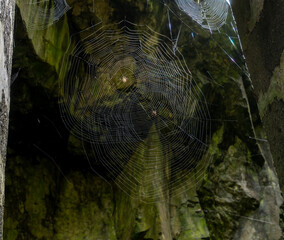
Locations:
{"points": [[6, 51], [263, 47], [52, 192]]}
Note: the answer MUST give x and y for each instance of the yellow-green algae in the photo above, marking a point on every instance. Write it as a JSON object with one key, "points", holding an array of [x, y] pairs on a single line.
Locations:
{"points": [[50, 43], [85, 209], [275, 90], [84, 196], [179, 217]]}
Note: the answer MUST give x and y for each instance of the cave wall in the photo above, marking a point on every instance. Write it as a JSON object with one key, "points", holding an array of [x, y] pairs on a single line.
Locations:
{"points": [[52, 193], [6, 53], [262, 34]]}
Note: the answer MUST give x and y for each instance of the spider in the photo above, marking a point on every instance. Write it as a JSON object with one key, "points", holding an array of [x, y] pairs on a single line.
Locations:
{"points": [[124, 79], [154, 113]]}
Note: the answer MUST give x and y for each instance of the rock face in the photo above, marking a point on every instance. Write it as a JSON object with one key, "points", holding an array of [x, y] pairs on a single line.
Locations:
{"points": [[52, 190], [6, 52], [262, 39]]}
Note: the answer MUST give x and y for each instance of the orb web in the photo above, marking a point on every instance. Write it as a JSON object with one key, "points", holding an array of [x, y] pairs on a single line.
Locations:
{"points": [[124, 92], [210, 14], [44, 13]]}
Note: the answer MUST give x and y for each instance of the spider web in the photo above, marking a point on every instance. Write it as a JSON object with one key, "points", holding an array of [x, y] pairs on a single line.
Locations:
{"points": [[210, 14], [224, 35], [44, 13], [133, 99]]}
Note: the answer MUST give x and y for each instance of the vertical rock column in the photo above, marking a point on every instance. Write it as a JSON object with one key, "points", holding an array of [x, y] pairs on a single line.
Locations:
{"points": [[6, 50], [262, 33]]}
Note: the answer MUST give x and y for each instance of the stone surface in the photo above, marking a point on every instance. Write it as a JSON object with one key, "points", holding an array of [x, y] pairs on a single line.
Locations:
{"points": [[263, 48], [6, 52], [53, 193]]}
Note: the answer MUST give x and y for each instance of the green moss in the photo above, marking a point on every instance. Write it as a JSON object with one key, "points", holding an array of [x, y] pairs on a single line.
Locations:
{"points": [[275, 90], [224, 193], [217, 138], [85, 209], [133, 215], [51, 43], [192, 223], [12, 232], [35, 204]]}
